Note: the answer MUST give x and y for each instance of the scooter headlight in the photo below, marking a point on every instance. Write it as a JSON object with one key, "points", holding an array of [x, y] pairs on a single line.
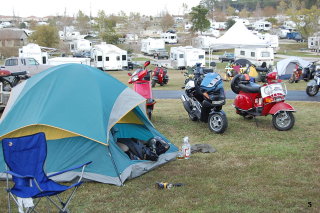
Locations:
{"points": [[268, 90], [135, 78]]}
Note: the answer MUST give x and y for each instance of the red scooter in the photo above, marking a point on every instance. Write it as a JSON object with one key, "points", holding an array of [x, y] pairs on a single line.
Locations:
{"points": [[255, 100], [159, 76], [142, 85]]}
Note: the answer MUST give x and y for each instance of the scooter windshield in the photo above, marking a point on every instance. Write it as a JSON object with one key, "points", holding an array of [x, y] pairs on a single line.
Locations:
{"points": [[211, 81]]}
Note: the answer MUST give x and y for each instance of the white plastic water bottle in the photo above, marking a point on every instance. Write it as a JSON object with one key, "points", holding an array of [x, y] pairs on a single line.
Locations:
{"points": [[186, 148]]}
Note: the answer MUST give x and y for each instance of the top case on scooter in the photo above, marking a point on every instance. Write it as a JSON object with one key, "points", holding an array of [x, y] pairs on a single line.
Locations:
{"points": [[211, 82]]}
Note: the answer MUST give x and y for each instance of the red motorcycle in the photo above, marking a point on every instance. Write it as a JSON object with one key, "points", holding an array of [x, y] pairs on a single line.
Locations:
{"points": [[256, 100], [142, 85], [159, 76]]}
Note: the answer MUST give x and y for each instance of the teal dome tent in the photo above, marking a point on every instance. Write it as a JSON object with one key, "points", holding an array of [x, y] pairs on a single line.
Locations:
{"points": [[78, 107]]}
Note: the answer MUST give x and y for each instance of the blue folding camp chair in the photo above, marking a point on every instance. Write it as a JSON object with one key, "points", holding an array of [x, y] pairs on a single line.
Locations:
{"points": [[25, 157]]}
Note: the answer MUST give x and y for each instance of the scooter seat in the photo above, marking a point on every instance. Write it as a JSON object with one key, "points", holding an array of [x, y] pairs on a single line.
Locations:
{"points": [[250, 88]]}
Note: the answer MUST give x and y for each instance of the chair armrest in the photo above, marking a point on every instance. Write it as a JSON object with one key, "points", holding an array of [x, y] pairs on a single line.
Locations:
{"points": [[17, 175], [67, 170]]}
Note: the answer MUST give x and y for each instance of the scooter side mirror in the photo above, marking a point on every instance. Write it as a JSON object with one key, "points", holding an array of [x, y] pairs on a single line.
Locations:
{"points": [[146, 64], [129, 74]]}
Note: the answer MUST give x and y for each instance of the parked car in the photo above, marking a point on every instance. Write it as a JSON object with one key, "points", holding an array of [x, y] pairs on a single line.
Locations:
{"points": [[133, 65], [160, 53], [228, 57]]}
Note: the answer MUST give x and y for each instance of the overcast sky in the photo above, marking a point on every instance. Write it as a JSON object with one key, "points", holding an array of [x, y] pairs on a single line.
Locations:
{"points": [[42, 8]]}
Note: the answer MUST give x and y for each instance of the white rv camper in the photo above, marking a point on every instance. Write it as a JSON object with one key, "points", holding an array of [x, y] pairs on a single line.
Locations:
{"points": [[33, 51], [256, 55], [182, 57], [272, 40], [109, 57], [66, 60], [203, 42], [314, 43], [80, 45], [262, 25], [150, 44], [169, 38]]}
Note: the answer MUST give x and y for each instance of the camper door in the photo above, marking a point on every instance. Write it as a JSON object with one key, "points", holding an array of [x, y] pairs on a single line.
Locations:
{"points": [[195, 56], [98, 59], [112, 61]]}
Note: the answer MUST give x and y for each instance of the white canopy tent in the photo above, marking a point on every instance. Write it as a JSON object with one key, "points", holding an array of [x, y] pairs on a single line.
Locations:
{"points": [[238, 36]]}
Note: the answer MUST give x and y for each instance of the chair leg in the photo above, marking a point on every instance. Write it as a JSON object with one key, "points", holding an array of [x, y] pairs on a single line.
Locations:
{"points": [[9, 203], [35, 205], [65, 205]]}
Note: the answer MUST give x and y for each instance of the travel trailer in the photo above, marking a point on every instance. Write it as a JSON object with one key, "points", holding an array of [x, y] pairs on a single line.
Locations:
{"points": [[262, 25], [149, 45], [169, 38], [211, 32], [80, 45], [219, 25], [33, 51], [289, 25], [182, 57], [109, 57], [203, 42], [256, 55], [66, 60], [282, 33], [314, 43], [272, 40]]}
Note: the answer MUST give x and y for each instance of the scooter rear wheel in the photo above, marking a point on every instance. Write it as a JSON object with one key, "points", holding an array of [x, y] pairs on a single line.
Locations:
{"points": [[217, 123], [283, 120], [149, 113]]}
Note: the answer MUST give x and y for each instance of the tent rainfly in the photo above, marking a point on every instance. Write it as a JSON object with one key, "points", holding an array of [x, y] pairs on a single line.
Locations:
{"points": [[82, 112]]}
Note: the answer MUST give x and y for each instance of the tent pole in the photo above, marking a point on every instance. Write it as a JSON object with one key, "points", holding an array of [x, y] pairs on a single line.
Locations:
{"points": [[115, 166]]}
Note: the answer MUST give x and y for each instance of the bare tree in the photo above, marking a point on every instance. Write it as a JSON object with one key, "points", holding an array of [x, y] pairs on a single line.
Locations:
{"points": [[166, 22], [82, 22]]}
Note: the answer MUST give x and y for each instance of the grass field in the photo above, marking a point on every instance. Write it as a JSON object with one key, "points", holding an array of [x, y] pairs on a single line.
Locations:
{"points": [[255, 169]]}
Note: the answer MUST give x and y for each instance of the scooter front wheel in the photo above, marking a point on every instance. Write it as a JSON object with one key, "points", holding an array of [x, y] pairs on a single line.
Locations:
{"points": [[312, 90], [283, 120], [153, 83], [217, 123]]}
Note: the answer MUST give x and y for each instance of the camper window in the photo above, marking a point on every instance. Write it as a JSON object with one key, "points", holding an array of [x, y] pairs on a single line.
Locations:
{"points": [[99, 58], [32, 61], [265, 54], [201, 56], [118, 58], [180, 55], [124, 57], [11, 62], [242, 52], [107, 58], [253, 54]]}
